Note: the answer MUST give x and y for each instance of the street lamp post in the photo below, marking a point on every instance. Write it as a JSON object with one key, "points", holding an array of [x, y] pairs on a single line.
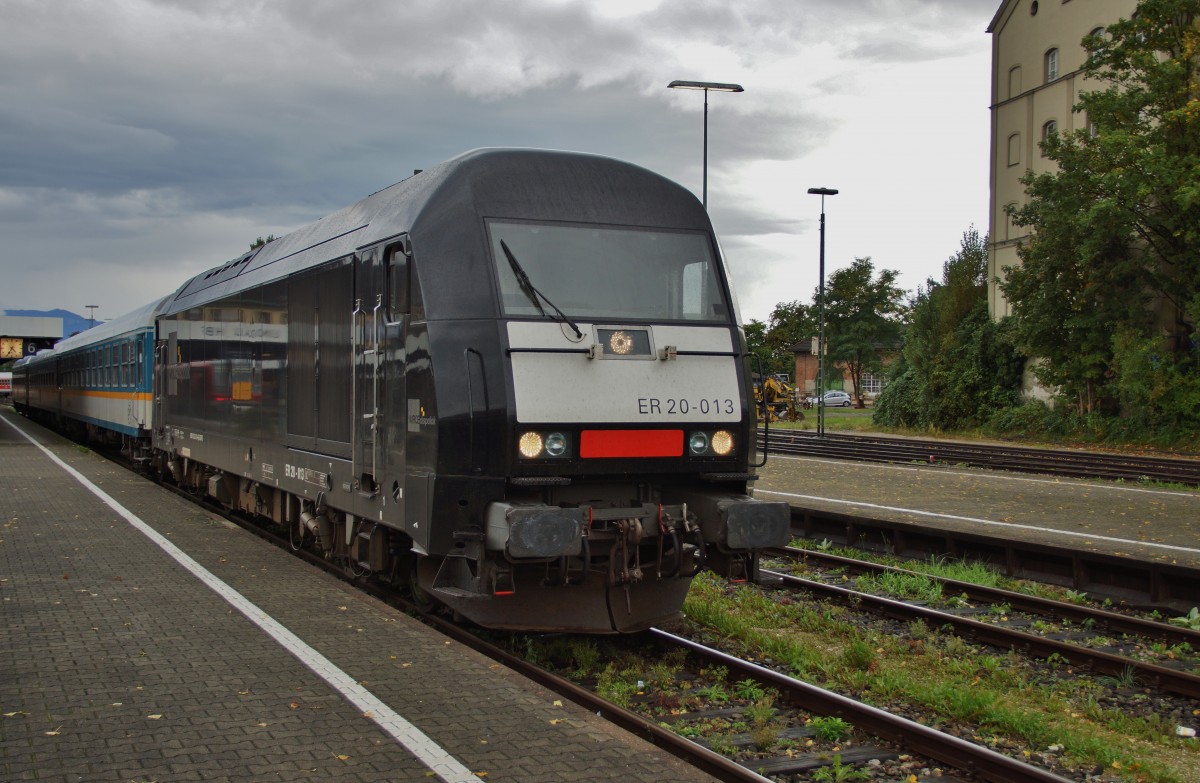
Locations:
{"points": [[706, 86], [822, 192]]}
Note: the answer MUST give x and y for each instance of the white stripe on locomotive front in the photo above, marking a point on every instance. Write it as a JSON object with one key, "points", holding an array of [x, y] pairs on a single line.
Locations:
{"points": [[570, 387]]}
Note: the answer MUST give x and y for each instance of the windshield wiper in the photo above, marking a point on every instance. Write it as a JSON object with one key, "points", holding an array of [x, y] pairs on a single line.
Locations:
{"points": [[536, 296]]}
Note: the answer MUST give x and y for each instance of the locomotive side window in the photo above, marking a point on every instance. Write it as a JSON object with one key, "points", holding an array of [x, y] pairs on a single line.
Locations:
{"points": [[607, 272], [397, 282]]}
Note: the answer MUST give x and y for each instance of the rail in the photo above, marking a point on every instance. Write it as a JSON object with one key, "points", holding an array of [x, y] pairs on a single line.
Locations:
{"points": [[1058, 462]]}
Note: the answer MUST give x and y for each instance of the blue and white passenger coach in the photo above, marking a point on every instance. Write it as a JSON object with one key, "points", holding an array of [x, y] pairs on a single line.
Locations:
{"points": [[516, 380], [96, 383]]}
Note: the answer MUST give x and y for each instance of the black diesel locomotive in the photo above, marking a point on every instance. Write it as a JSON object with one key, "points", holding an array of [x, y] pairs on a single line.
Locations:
{"points": [[516, 380]]}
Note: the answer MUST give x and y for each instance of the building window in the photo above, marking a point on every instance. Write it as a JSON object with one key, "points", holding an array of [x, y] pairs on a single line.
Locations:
{"points": [[1014, 81], [1014, 149], [871, 386], [1048, 130], [1051, 65]]}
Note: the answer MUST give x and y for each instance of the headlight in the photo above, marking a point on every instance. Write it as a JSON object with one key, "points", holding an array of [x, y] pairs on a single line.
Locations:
{"points": [[535, 445], [722, 442], [620, 343], [719, 443], [530, 445], [556, 444]]}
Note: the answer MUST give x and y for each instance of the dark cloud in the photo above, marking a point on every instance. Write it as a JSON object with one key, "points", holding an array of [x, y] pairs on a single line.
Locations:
{"points": [[164, 135]]}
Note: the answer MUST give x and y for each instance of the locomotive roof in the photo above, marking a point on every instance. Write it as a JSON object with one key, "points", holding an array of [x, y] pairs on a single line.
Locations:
{"points": [[443, 209]]}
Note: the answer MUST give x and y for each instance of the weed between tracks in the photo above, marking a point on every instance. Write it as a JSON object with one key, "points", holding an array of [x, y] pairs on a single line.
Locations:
{"points": [[1043, 713]]}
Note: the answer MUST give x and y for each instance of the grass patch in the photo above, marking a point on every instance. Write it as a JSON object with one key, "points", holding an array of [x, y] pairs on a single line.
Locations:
{"points": [[911, 587]]}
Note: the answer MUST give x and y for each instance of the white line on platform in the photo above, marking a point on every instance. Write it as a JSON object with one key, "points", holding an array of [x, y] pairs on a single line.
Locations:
{"points": [[977, 520], [999, 477], [417, 742]]}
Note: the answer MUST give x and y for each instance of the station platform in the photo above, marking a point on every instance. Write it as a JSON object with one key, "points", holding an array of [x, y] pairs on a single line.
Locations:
{"points": [[1123, 519], [143, 639]]}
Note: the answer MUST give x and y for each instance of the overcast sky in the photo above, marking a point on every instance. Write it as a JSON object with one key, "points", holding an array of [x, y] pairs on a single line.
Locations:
{"points": [[144, 141]]}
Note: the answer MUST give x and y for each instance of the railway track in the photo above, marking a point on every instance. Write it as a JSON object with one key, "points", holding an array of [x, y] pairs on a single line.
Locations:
{"points": [[1056, 462], [1152, 584], [947, 749], [902, 736], [1000, 632]]}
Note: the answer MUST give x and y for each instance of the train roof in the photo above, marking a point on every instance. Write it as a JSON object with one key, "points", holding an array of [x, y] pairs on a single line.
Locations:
{"points": [[443, 209], [133, 321]]}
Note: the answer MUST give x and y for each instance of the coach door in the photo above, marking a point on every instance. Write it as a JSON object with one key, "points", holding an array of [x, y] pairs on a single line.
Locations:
{"points": [[159, 383]]}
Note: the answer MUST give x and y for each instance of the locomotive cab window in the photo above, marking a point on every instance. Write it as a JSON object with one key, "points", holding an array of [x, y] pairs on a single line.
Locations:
{"points": [[607, 273]]}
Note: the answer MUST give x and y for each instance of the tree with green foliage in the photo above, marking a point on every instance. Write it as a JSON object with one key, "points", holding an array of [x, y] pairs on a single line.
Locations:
{"points": [[790, 323], [756, 341], [1108, 292], [863, 316], [956, 368]]}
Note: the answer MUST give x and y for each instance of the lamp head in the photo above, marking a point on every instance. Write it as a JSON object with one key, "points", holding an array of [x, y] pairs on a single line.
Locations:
{"points": [[715, 86]]}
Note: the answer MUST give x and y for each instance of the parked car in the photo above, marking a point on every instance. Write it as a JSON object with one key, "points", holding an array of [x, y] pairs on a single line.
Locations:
{"points": [[833, 399]]}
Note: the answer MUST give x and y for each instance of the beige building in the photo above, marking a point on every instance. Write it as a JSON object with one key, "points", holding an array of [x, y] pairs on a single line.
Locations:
{"points": [[1036, 60]]}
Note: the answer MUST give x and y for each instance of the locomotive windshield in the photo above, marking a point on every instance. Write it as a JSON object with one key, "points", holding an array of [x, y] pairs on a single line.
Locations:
{"points": [[598, 272]]}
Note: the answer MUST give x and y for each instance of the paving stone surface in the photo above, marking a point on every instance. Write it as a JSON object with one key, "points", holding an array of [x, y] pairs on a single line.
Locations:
{"points": [[117, 664]]}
